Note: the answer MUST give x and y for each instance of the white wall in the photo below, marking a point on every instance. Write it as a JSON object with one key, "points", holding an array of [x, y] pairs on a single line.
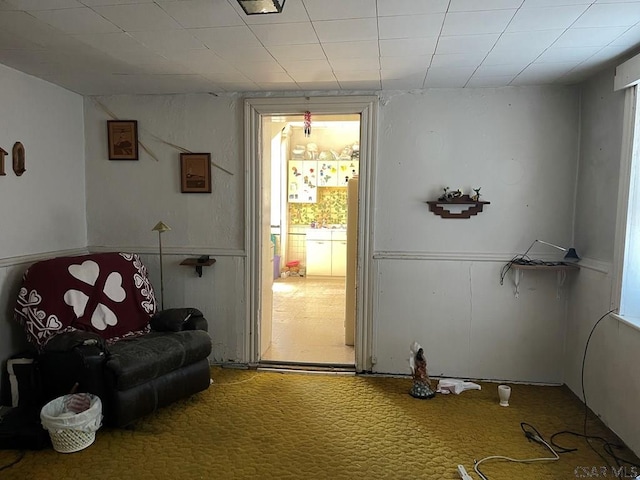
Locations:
{"points": [[438, 279], [612, 386], [43, 211], [518, 144], [125, 199]]}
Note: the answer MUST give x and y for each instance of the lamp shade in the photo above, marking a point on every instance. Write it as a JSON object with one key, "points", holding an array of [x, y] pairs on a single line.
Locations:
{"points": [[161, 227], [261, 7]]}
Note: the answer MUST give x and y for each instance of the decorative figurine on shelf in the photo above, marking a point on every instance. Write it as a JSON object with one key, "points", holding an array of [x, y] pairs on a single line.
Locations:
{"points": [[421, 383], [476, 197], [445, 196]]}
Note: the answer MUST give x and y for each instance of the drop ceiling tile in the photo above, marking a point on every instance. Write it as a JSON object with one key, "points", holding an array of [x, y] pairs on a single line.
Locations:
{"points": [[339, 9], [138, 17], [404, 83], [448, 77], [407, 65], [110, 42], [296, 66], [547, 18], [168, 41], [401, 47], [76, 20], [540, 74], [226, 77], [257, 75], [373, 85], [362, 49], [457, 60], [95, 3], [311, 75], [477, 23], [411, 7], [312, 51], [504, 70], [278, 87], [351, 64], [238, 86], [526, 42], [467, 44], [358, 76], [498, 81], [32, 5], [630, 37], [226, 37], [244, 54], [285, 33], [589, 37], [477, 5], [331, 31], [610, 15], [508, 56], [319, 86], [202, 13], [201, 61], [409, 26], [553, 3], [565, 55]]}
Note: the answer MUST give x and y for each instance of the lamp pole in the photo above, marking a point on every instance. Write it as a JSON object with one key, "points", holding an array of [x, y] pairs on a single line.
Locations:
{"points": [[160, 228]]}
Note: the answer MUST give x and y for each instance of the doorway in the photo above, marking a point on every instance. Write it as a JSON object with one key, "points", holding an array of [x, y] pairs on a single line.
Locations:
{"points": [[260, 246], [314, 165]]}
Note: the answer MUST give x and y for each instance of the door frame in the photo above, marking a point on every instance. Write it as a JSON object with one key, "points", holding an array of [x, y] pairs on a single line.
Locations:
{"points": [[254, 110]]}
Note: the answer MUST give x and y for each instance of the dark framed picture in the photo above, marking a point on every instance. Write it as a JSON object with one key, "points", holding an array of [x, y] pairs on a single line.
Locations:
{"points": [[195, 172], [123, 139]]}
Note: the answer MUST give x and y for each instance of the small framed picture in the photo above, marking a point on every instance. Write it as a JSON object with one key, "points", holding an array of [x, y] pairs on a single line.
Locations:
{"points": [[195, 172], [123, 139]]}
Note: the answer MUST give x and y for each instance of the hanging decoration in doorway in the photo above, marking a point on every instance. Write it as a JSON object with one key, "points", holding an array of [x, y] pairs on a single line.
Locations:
{"points": [[307, 123]]}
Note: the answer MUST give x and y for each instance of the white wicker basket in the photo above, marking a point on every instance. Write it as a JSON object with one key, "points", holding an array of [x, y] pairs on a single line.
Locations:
{"points": [[69, 441], [69, 431]]}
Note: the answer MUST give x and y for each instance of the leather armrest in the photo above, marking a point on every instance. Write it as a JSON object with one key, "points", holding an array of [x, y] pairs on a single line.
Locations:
{"points": [[178, 319], [67, 341]]}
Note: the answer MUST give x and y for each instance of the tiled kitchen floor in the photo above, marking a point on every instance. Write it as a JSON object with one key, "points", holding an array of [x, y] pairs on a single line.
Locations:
{"points": [[308, 321]]}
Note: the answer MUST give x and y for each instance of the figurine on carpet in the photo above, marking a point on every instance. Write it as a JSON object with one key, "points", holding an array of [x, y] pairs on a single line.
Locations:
{"points": [[421, 382]]}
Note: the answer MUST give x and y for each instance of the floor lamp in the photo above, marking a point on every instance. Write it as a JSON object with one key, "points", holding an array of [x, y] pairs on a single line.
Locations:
{"points": [[161, 227]]}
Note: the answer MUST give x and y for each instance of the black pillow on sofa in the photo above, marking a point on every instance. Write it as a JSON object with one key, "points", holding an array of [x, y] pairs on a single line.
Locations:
{"points": [[174, 319]]}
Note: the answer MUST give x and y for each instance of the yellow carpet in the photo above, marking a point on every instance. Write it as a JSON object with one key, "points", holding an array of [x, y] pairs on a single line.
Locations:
{"points": [[253, 424]]}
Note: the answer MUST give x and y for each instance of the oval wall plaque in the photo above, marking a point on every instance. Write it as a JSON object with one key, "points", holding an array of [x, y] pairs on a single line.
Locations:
{"points": [[18, 158]]}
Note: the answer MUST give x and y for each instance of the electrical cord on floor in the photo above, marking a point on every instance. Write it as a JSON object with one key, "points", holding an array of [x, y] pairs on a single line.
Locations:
{"points": [[532, 435], [17, 460], [607, 446]]}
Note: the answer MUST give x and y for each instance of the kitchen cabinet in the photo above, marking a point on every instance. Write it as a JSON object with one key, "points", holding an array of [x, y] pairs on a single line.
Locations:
{"points": [[326, 252], [302, 181], [338, 258], [318, 251]]}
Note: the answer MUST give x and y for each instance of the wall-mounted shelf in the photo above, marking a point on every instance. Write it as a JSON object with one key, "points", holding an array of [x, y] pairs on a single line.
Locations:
{"points": [[561, 270], [473, 207], [198, 263]]}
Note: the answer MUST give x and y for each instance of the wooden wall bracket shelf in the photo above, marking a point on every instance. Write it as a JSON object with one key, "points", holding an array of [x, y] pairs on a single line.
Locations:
{"points": [[198, 263], [438, 207]]}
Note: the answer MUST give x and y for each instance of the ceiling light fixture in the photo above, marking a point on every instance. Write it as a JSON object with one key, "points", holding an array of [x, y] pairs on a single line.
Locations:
{"points": [[261, 7]]}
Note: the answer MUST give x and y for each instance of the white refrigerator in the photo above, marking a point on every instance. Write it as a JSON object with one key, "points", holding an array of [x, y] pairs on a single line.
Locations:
{"points": [[352, 262]]}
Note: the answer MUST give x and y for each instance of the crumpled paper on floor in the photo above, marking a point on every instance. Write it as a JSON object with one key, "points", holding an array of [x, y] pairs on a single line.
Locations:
{"points": [[453, 385]]}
